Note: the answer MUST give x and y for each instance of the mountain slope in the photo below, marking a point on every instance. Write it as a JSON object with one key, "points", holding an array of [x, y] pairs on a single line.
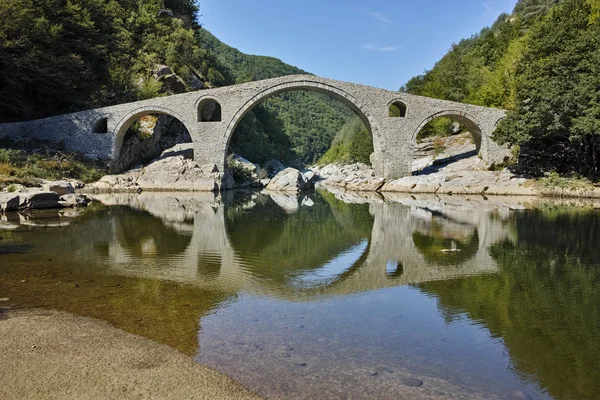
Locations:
{"points": [[481, 70]]}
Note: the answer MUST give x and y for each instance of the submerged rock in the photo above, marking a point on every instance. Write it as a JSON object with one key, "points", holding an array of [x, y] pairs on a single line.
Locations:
{"points": [[412, 382]]}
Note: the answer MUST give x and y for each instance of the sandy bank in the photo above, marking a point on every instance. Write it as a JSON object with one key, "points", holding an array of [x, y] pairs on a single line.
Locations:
{"points": [[55, 355]]}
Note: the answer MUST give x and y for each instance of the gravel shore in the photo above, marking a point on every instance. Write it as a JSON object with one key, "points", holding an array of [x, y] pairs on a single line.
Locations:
{"points": [[55, 355]]}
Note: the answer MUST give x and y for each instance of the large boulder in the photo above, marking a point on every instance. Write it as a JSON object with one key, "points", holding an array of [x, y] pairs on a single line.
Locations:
{"points": [[39, 200], [292, 180], [176, 173], [243, 163], [72, 200], [60, 187], [9, 202]]}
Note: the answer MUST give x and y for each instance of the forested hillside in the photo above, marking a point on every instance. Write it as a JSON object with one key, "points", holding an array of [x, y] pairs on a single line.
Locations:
{"points": [[59, 56], [541, 63]]}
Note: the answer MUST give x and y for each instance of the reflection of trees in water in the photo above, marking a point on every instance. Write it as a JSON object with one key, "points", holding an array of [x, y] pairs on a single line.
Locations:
{"points": [[277, 245], [545, 301], [147, 236]]}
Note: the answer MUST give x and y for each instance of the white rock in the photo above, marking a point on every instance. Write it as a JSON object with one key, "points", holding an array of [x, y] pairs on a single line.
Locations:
{"points": [[58, 187]]}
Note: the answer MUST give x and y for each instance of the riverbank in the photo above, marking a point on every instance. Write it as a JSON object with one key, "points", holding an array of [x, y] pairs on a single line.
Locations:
{"points": [[443, 166], [56, 355]]}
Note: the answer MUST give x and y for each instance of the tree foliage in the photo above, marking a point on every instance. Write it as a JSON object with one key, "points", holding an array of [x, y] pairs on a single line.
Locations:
{"points": [[541, 63], [557, 115], [58, 56], [351, 144]]}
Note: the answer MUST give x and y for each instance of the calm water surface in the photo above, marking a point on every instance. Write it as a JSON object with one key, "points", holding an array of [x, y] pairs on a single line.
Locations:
{"points": [[316, 297]]}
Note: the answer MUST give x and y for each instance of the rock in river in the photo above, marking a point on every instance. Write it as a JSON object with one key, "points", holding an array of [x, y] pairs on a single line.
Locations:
{"points": [[292, 180]]}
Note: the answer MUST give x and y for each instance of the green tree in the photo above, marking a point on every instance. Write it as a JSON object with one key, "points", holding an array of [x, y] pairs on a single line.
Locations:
{"points": [[558, 95]]}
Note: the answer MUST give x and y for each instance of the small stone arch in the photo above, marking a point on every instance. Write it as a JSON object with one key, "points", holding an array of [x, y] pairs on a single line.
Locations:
{"points": [[209, 110], [472, 124], [397, 109], [100, 125], [313, 86], [125, 122]]}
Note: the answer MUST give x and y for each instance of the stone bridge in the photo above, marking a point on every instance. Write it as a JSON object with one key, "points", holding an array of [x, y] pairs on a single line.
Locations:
{"points": [[212, 115]]}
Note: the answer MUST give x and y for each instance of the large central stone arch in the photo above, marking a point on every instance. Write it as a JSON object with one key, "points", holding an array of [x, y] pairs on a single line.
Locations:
{"points": [[311, 86]]}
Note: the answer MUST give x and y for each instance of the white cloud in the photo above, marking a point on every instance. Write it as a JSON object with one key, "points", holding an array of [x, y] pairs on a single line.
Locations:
{"points": [[376, 15], [374, 47], [379, 17]]}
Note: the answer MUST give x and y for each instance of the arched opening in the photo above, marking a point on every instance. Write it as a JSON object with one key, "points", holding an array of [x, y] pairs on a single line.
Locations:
{"points": [[209, 110], [397, 109], [299, 125], [145, 136], [448, 140], [100, 126]]}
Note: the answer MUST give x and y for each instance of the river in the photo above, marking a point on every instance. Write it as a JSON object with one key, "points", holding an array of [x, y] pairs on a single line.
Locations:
{"points": [[324, 296]]}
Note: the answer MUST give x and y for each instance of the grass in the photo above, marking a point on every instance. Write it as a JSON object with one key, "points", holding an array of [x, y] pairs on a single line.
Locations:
{"points": [[26, 162], [560, 186], [554, 180], [438, 146]]}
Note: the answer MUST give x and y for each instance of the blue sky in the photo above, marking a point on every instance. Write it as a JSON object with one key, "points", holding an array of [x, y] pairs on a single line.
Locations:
{"points": [[380, 43]]}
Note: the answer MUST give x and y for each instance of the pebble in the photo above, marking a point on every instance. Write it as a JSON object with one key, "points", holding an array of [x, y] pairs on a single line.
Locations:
{"points": [[286, 355], [301, 365], [287, 348], [412, 382]]}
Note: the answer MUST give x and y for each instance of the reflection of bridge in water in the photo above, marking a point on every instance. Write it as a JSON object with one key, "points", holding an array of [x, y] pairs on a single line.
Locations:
{"points": [[409, 243]]}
